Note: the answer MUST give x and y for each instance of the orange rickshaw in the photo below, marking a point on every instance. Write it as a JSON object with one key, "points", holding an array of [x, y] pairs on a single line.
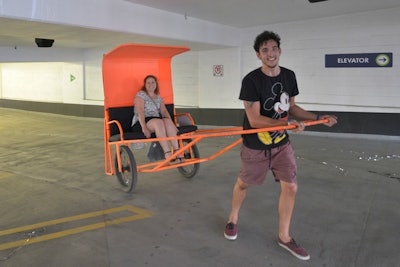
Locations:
{"points": [[124, 69]]}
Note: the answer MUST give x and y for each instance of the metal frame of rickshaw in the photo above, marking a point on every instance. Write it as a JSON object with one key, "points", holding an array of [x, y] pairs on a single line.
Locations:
{"points": [[195, 137], [187, 141]]}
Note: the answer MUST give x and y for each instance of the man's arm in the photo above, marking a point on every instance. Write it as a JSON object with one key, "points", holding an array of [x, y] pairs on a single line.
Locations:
{"points": [[257, 120], [301, 114]]}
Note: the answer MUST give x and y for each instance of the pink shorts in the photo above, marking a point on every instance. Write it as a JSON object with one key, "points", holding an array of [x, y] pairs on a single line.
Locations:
{"points": [[256, 163]]}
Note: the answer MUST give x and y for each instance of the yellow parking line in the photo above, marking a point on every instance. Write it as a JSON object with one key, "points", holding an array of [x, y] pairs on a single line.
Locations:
{"points": [[4, 175], [139, 214]]}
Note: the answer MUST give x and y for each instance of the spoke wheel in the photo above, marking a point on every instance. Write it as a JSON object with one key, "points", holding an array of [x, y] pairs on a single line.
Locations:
{"points": [[128, 175], [192, 152]]}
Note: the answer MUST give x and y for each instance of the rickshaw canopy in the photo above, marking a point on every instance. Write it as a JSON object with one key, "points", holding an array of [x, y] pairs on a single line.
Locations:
{"points": [[126, 66]]}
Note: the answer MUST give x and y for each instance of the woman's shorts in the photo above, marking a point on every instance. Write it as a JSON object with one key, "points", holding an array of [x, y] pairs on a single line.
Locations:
{"points": [[138, 128], [255, 164]]}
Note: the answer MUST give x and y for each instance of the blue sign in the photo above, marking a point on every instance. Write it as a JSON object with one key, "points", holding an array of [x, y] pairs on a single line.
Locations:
{"points": [[374, 60]]}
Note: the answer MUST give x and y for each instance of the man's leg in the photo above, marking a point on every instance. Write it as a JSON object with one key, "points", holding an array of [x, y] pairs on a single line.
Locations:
{"points": [[285, 209], [238, 196], [286, 205]]}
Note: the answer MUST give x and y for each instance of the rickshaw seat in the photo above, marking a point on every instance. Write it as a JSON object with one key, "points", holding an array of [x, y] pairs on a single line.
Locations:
{"points": [[124, 116]]}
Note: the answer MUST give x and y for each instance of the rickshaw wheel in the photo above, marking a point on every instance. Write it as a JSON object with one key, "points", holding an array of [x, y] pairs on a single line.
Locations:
{"points": [[128, 177], [189, 171]]}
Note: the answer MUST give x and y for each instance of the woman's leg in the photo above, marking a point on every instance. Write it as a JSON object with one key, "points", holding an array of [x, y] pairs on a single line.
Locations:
{"points": [[171, 131], [157, 126]]}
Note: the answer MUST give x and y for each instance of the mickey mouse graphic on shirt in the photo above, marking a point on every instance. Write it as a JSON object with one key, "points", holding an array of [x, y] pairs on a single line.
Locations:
{"points": [[280, 109]]}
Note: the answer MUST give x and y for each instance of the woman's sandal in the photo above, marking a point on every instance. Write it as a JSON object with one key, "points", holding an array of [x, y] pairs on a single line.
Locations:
{"points": [[179, 158], [165, 153], [173, 160]]}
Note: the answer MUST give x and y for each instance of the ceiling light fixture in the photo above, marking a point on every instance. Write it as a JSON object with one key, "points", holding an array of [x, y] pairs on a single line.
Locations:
{"points": [[40, 42]]}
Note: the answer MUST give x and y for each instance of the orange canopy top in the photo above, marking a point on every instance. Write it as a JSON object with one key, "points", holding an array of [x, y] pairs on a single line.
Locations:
{"points": [[126, 66]]}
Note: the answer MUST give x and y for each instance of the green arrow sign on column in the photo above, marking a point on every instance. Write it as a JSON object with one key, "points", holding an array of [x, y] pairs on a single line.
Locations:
{"points": [[71, 78]]}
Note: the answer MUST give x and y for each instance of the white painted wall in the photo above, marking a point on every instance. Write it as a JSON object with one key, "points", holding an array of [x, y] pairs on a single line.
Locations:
{"points": [[93, 91], [185, 79], [305, 43], [304, 46], [42, 81], [219, 91]]}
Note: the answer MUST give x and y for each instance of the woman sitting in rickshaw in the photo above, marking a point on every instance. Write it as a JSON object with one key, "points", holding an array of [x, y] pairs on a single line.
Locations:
{"points": [[152, 116]]}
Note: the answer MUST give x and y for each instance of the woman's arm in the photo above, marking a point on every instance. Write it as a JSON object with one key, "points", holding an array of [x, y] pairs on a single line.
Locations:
{"points": [[139, 104], [164, 111]]}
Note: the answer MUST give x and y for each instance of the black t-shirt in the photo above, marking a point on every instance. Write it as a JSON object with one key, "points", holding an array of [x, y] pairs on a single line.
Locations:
{"points": [[273, 93]]}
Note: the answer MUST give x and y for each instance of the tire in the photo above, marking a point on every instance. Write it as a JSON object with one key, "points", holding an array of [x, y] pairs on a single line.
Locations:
{"points": [[128, 177], [189, 171]]}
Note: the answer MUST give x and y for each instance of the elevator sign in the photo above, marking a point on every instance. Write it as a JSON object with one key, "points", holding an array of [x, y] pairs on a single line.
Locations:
{"points": [[369, 60]]}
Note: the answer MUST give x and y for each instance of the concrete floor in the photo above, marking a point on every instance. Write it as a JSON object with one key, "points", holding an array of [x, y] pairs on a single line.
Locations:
{"points": [[51, 167]]}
